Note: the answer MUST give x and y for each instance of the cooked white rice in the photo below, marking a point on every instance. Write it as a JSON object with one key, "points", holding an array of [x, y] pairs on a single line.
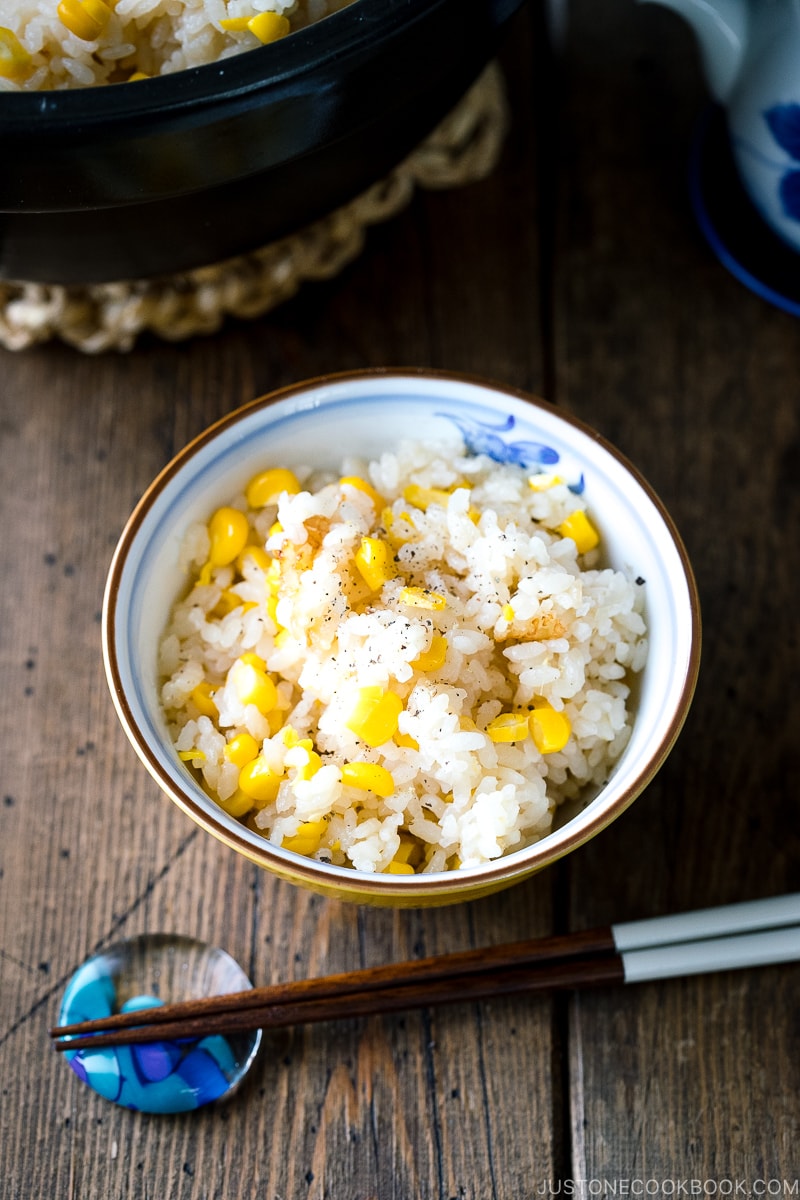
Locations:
{"points": [[528, 622], [151, 37]]}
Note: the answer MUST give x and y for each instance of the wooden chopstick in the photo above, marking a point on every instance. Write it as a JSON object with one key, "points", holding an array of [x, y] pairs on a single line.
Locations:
{"points": [[586, 972], [726, 938], [369, 980]]}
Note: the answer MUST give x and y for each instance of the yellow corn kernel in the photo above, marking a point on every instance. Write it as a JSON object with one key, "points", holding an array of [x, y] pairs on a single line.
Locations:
{"points": [[364, 486], [204, 576], [312, 764], [241, 749], [227, 602], [234, 24], [543, 482], [578, 527], [404, 851], [399, 868], [281, 638], [191, 756], [275, 721], [238, 804], [307, 839], [85, 18], [508, 613], [432, 658], [423, 497], [549, 729], [203, 700], [405, 739], [508, 727], [409, 851], [272, 610], [258, 780], [388, 518], [375, 562], [274, 576], [396, 537], [268, 486], [374, 717], [138, 75], [274, 528], [257, 555], [15, 62], [251, 659], [419, 597], [369, 777], [254, 686], [289, 736], [269, 26], [228, 530]]}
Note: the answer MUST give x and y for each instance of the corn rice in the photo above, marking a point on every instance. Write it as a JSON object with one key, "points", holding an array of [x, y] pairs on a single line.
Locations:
{"points": [[401, 706], [57, 44]]}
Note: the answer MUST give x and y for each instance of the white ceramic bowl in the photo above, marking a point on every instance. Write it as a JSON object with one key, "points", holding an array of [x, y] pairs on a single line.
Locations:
{"points": [[316, 423]]}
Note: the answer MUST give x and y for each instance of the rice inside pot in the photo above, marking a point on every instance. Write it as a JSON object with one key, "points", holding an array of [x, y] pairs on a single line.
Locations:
{"points": [[56, 44], [449, 583]]}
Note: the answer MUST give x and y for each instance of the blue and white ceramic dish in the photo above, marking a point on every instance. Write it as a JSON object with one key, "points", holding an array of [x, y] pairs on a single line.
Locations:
{"points": [[316, 423], [166, 1076], [734, 229], [750, 51]]}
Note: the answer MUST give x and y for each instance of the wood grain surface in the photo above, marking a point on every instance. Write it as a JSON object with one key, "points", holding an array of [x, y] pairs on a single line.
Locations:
{"points": [[575, 271]]}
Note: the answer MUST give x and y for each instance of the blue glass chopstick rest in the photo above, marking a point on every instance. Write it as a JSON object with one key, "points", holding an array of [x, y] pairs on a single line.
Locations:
{"points": [[165, 1076]]}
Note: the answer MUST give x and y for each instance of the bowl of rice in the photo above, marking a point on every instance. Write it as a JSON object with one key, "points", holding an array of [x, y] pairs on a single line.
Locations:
{"points": [[401, 637], [149, 137]]}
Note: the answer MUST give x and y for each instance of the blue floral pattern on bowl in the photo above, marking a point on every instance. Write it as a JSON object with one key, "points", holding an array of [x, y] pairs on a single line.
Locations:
{"points": [[783, 121], [483, 437]]}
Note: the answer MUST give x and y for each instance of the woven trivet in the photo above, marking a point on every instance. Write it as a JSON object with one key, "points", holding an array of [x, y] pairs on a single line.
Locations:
{"points": [[110, 316]]}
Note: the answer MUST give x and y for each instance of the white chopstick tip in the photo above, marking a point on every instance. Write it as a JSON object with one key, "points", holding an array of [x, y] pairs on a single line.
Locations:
{"points": [[732, 919], [729, 953]]}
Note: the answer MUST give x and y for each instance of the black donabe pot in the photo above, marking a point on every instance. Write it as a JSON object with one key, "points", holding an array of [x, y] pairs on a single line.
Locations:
{"points": [[133, 180]]}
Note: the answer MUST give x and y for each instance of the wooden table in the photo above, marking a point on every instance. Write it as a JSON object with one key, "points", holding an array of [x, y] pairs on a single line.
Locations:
{"points": [[576, 271]]}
